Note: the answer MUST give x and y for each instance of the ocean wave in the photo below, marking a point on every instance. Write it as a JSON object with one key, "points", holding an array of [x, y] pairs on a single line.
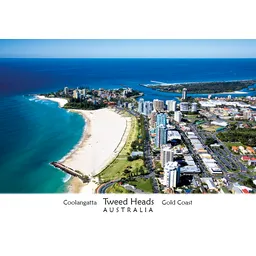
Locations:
{"points": [[75, 147], [66, 178], [41, 101], [157, 82]]}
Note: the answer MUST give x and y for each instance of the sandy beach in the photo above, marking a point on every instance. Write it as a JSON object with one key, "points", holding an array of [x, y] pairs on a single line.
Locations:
{"points": [[235, 92], [61, 102], [104, 136]]}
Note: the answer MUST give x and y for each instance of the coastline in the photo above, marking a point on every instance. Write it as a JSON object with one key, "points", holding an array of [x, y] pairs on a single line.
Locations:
{"points": [[172, 87], [104, 135], [60, 101], [157, 83], [103, 138], [234, 92]]}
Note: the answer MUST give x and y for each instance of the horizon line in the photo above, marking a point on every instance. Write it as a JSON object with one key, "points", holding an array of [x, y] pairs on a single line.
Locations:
{"points": [[127, 57]]}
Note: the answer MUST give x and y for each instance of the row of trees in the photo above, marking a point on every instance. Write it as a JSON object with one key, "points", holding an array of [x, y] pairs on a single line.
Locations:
{"points": [[133, 93], [137, 145], [131, 158], [89, 105], [245, 136], [128, 172], [139, 142], [210, 141], [249, 183]]}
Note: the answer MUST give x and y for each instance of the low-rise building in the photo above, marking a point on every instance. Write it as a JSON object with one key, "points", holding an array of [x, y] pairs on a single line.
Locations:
{"points": [[136, 153], [242, 149], [235, 149], [184, 107], [210, 184], [173, 135], [250, 150], [252, 162], [220, 123]]}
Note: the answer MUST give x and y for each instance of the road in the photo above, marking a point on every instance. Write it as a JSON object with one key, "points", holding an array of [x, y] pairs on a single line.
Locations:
{"points": [[102, 188], [225, 159], [191, 151], [149, 157]]}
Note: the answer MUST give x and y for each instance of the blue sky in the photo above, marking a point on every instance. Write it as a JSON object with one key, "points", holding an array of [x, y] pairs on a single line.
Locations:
{"points": [[123, 48]]}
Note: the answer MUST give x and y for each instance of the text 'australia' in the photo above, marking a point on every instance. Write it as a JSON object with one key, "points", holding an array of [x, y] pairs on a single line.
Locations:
{"points": [[128, 205]]}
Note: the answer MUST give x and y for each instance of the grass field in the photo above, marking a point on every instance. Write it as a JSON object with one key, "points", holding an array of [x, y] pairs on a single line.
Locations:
{"points": [[230, 144], [211, 128], [116, 169], [145, 185], [225, 190], [117, 189]]}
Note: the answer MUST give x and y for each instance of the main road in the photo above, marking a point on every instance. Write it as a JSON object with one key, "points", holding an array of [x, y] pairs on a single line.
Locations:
{"points": [[103, 188]]}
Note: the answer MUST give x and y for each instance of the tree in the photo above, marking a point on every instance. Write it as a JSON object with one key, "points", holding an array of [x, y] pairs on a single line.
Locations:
{"points": [[209, 141], [130, 158]]}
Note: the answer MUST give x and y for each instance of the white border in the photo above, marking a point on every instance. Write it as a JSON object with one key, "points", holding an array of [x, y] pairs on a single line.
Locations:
{"points": [[144, 19], [40, 225]]}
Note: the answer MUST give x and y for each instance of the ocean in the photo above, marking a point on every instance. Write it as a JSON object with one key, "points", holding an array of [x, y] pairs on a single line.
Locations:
{"points": [[35, 132]]}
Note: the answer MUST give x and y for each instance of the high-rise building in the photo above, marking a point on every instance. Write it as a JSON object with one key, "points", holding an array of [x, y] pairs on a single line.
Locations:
{"points": [[177, 116], [65, 90], [161, 119], [229, 97], [151, 106], [76, 94], [171, 174], [171, 105], [124, 93], [161, 136], [166, 154], [141, 106], [158, 105], [168, 103], [184, 106], [153, 116], [247, 114], [184, 93], [147, 108], [194, 107], [83, 92]]}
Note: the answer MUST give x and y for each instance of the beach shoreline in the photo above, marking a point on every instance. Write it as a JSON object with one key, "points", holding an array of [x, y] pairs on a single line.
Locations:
{"points": [[98, 157], [60, 101], [104, 135]]}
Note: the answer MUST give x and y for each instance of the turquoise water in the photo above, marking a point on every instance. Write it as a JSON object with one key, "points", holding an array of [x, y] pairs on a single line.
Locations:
{"points": [[34, 133]]}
